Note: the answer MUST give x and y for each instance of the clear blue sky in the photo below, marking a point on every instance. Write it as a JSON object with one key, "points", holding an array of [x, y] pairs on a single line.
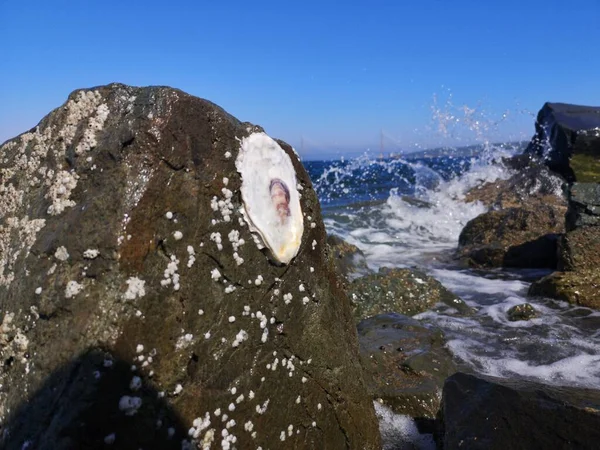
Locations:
{"points": [[334, 72]]}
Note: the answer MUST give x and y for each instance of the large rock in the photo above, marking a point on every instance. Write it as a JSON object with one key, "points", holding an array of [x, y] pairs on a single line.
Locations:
{"points": [[405, 363], [567, 137], [514, 237], [584, 206], [524, 221], [489, 414], [126, 316], [580, 287], [403, 291]]}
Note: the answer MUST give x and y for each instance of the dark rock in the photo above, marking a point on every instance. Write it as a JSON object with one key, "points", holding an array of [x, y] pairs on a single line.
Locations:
{"points": [[581, 287], [567, 137], [349, 260], [403, 291], [584, 205], [492, 413], [521, 312], [514, 237], [100, 173], [405, 363]]}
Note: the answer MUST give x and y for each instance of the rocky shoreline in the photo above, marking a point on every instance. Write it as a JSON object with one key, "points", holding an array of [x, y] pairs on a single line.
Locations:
{"points": [[139, 312]]}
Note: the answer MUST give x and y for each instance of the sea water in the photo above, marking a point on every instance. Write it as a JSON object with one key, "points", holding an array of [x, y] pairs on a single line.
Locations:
{"points": [[409, 212]]}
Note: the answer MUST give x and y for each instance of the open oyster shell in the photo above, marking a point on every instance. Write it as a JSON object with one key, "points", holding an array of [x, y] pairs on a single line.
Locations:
{"points": [[271, 200]]}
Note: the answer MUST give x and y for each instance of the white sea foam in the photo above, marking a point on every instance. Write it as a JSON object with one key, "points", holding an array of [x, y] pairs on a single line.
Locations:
{"points": [[400, 432], [561, 345]]}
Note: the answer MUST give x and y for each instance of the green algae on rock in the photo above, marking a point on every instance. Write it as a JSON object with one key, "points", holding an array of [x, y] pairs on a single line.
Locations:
{"points": [[403, 291]]}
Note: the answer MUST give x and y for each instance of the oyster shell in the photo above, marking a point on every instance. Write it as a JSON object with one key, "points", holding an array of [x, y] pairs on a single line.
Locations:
{"points": [[271, 200]]}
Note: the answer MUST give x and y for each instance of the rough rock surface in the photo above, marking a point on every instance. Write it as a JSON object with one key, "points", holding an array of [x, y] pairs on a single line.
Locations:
{"points": [[584, 206], [513, 237], [531, 183], [127, 318], [405, 363], [567, 137], [499, 414], [403, 291], [525, 217], [348, 259], [525, 311], [580, 287], [578, 251]]}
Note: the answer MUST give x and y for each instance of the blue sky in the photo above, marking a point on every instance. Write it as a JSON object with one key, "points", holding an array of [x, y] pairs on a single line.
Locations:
{"points": [[334, 72]]}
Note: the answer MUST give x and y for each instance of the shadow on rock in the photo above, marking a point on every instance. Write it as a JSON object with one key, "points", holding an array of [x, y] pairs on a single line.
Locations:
{"points": [[94, 400]]}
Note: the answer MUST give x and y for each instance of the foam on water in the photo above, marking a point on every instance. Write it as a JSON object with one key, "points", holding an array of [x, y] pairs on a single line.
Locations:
{"points": [[399, 432], [419, 226]]}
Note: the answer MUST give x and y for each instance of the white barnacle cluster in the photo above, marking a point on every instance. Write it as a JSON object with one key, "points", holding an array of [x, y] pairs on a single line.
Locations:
{"points": [[73, 288], [236, 243], [199, 425], [61, 253], [239, 338], [171, 275], [95, 124], [223, 205], [13, 341], [216, 238], [184, 341], [261, 409], [91, 253], [191, 256], [130, 405], [215, 274], [59, 192], [258, 281], [135, 288], [287, 298], [79, 108]]}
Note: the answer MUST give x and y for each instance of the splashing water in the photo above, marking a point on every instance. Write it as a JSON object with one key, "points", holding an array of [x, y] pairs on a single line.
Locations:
{"points": [[409, 212]]}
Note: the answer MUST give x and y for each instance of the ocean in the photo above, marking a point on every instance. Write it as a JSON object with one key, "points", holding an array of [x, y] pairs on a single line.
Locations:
{"points": [[408, 212]]}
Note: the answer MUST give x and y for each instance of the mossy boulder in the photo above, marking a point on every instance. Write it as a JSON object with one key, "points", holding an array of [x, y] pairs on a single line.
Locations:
{"points": [[566, 137], [402, 291], [581, 287], [127, 318]]}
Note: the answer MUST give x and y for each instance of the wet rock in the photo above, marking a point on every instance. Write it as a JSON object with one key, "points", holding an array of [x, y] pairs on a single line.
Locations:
{"points": [[531, 184], [567, 137], [581, 287], [405, 363], [493, 413], [584, 205], [403, 291], [348, 259], [513, 237], [524, 311], [137, 309]]}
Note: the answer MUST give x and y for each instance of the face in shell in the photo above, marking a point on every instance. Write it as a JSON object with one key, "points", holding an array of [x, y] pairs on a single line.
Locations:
{"points": [[280, 196]]}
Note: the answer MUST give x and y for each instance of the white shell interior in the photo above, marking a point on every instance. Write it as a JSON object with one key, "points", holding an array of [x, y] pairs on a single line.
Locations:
{"points": [[266, 173]]}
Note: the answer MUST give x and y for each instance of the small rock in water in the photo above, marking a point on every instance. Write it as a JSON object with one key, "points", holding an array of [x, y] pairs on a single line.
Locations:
{"points": [[521, 312]]}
